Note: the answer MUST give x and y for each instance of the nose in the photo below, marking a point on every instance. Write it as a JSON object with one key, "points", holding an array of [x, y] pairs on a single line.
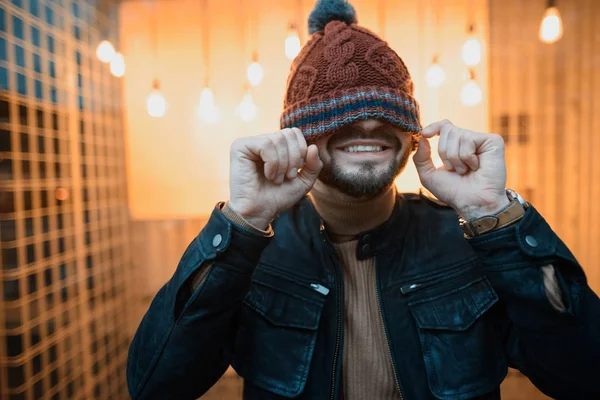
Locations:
{"points": [[369, 125]]}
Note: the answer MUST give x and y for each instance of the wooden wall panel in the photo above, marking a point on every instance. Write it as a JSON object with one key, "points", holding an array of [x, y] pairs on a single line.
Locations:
{"points": [[550, 91]]}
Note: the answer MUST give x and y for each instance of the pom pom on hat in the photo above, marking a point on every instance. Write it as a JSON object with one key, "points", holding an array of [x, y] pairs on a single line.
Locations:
{"points": [[326, 11]]}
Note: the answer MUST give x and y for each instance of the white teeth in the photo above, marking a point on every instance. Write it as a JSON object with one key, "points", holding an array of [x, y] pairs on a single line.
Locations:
{"points": [[358, 149]]}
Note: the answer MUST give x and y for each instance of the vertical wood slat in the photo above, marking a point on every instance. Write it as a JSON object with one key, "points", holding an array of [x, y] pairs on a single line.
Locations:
{"points": [[585, 134], [595, 149], [530, 72], [566, 151], [557, 86]]}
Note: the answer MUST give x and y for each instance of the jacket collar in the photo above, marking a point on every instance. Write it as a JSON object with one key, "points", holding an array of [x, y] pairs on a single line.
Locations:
{"points": [[374, 241]]}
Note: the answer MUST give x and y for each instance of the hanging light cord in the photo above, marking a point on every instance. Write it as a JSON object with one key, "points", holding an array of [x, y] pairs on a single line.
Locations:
{"points": [[470, 17], [154, 42], [205, 29]]}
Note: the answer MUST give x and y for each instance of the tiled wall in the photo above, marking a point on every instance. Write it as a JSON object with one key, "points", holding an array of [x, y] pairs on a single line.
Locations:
{"points": [[65, 268]]}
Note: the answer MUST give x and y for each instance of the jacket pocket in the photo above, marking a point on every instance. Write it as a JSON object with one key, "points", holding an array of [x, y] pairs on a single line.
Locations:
{"points": [[277, 332], [462, 340]]}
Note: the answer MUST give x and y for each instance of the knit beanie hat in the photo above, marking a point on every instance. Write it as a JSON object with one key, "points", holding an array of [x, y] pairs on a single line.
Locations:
{"points": [[345, 74]]}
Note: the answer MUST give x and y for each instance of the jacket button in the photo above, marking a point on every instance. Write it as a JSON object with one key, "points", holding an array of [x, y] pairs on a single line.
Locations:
{"points": [[217, 240], [367, 238], [366, 249], [530, 240]]}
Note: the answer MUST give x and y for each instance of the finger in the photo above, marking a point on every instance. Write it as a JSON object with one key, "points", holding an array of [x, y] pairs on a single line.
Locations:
{"points": [[423, 161], [294, 159], [302, 143], [268, 154], [312, 167], [280, 143], [435, 128], [453, 153], [443, 148], [468, 153]]}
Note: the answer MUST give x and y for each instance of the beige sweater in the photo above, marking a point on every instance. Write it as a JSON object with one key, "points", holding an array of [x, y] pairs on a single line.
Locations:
{"points": [[367, 371]]}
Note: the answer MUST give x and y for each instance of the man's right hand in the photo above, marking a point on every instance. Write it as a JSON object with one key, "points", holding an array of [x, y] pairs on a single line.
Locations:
{"points": [[270, 173]]}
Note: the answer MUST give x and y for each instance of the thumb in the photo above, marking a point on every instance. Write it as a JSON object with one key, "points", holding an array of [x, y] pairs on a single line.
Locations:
{"points": [[312, 166], [422, 159]]}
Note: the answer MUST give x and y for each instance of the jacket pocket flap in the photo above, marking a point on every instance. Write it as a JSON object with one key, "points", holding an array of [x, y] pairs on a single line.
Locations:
{"points": [[456, 310], [284, 302]]}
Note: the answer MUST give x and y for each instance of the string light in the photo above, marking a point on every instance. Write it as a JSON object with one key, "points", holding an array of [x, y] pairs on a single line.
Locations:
{"points": [[471, 52], [208, 111], [105, 51], [247, 110], [117, 65], [435, 74], [471, 93], [292, 43], [255, 71], [156, 103], [551, 28]]}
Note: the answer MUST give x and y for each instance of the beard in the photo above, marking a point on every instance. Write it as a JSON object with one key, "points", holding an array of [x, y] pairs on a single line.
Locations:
{"points": [[369, 180]]}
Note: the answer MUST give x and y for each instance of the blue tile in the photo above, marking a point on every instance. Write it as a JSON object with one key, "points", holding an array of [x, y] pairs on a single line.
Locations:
{"points": [[3, 78], [34, 8], [37, 63], [39, 90], [21, 84], [49, 15], [18, 27], [50, 44], [20, 55], [35, 36], [2, 20], [75, 9], [3, 52]]}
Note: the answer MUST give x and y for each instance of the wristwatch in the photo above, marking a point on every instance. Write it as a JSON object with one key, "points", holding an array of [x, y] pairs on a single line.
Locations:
{"points": [[510, 214]]}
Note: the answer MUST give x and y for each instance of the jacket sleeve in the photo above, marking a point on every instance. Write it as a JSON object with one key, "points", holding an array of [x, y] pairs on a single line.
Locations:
{"points": [[184, 342], [558, 349]]}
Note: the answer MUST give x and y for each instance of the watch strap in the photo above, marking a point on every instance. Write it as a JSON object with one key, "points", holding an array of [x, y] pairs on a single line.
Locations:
{"points": [[510, 214]]}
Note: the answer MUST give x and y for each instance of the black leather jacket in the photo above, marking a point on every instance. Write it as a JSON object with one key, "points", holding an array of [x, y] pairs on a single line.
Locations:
{"points": [[457, 312]]}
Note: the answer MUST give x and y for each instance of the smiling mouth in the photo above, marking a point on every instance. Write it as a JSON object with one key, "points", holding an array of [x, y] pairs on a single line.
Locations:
{"points": [[363, 148]]}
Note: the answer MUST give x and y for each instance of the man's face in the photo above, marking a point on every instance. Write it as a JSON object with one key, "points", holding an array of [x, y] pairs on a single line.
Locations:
{"points": [[363, 159]]}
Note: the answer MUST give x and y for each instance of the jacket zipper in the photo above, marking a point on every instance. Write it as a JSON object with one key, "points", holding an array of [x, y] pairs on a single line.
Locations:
{"points": [[339, 327], [425, 282], [387, 340]]}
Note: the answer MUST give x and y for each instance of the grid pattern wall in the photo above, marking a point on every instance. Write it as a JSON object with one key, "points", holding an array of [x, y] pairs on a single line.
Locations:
{"points": [[63, 207]]}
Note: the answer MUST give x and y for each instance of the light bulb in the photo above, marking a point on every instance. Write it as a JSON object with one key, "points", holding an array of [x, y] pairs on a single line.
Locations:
{"points": [[105, 51], [117, 65], [247, 110], [207, 111], [435, 74], [255, 73], [156, 103], [551, 29], [471, 94], [471, 52], [292, 44]]}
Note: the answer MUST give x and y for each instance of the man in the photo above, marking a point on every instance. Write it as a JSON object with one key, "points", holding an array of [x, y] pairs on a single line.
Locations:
{"points": [[355, 291]]}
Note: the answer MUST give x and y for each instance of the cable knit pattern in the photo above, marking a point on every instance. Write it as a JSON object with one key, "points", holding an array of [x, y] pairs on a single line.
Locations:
{"points": [[387, 63], [346, 74], [303, 83], [338, 52]]}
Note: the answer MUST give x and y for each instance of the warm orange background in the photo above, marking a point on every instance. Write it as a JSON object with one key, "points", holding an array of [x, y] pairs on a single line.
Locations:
{"points": [[179, 167]]}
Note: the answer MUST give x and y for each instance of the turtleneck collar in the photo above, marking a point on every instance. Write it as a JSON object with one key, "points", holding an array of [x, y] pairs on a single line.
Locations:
{"points": [[346, 216]]}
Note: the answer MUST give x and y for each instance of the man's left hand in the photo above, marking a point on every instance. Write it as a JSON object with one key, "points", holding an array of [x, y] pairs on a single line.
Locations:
{"points": [[473, 177]]}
